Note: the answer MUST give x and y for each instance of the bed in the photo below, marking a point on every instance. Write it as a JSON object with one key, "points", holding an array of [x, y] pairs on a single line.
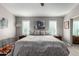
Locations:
{"points": [[40, 46]]}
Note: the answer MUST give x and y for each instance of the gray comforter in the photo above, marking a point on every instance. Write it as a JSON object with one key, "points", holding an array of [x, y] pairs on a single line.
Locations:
{"points": [[40, 48]]}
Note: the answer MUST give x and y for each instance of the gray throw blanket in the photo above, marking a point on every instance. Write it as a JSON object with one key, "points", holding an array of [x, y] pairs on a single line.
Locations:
{"points": [[42, 49]]}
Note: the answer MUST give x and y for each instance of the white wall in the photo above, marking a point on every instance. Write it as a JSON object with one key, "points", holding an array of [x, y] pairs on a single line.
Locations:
{"points": [[9, 31], [59, 22], [72, 14], [60, 25]]}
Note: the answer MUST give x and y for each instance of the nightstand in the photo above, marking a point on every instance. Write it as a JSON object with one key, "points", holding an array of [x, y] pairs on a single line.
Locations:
{"points": [[59, 37]]}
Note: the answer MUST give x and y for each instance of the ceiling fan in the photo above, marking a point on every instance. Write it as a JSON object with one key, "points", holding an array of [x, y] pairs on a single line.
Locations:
{"points": [[42, 4]]}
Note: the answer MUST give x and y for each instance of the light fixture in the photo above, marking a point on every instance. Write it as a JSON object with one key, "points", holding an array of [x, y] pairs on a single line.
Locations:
{"points": [[42, 4]]}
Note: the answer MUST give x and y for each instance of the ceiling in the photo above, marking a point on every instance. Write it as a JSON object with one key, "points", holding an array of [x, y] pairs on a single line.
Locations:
{"points": [[35, 9]]}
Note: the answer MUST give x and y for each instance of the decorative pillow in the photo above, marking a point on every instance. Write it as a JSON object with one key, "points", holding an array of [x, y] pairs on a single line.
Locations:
{"points": [[6, 49], [1, 50]]}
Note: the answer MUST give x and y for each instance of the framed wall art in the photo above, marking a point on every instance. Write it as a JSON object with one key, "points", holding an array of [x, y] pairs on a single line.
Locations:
{"points": [[3, 23], [66, 24]]}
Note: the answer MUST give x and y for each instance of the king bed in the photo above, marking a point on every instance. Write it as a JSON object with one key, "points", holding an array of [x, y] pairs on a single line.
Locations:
{"points": [[40, 46]]}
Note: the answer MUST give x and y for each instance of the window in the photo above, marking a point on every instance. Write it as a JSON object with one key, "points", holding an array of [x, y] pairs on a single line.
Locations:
{"points": [[25, 27], [53, 27], [76, 28]]}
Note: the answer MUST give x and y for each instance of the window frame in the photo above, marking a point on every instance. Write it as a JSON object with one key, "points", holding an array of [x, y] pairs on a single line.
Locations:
{"points": [[22, 28], [55, 28]]}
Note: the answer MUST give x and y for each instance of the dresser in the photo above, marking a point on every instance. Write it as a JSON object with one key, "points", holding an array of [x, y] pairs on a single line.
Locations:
{"points": [[75, 39]]}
